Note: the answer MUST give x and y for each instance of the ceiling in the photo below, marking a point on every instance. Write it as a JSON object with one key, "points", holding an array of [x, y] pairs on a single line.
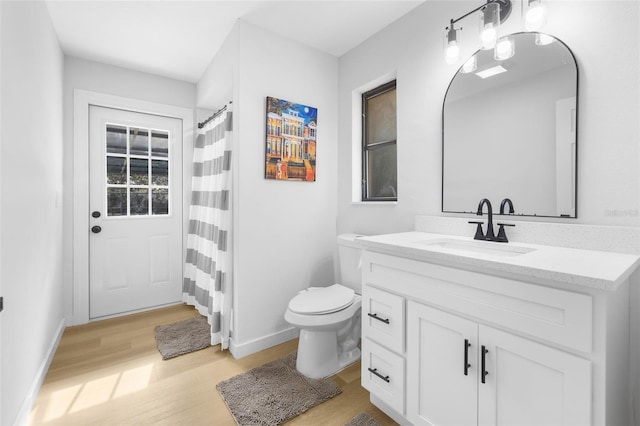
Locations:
{"points": [[178, 39]]}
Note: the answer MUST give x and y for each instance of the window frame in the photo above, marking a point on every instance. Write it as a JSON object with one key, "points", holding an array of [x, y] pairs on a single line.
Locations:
{"points": [[366, 148]]}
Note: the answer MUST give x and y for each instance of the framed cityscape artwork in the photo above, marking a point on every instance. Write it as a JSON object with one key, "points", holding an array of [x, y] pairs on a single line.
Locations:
{"points": [[290, 152]]}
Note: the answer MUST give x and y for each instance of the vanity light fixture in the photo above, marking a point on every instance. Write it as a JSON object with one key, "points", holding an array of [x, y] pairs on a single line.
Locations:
{"points": [[536, 15], [494, 13]]}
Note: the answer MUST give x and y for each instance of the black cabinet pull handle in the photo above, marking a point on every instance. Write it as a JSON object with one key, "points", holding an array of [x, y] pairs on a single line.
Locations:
{"points": [[384, 320], [485, 351], [466, 357], [375, 371]]}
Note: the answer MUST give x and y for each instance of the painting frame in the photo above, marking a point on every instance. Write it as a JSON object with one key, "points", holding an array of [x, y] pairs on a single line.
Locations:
{"points": [[290, 141]]}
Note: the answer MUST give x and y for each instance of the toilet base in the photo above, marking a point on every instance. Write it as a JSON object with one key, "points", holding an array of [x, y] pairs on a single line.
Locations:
{"points": [[318, 354]]}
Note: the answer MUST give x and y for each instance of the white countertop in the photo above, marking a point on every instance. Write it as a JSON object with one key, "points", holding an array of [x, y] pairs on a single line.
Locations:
{"points": [[590, 268]]}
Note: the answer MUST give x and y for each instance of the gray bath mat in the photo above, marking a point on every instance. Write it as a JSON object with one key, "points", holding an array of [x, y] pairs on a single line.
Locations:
{"points": [[183, 337], [274, 393], [363, 419]]}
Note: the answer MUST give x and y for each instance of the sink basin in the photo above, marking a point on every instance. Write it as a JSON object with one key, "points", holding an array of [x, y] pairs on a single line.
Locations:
{"points": [[478, 247]]}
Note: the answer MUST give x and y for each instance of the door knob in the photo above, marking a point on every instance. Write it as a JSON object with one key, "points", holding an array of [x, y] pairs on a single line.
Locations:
{"points": [[96, 229], [95, 214]]}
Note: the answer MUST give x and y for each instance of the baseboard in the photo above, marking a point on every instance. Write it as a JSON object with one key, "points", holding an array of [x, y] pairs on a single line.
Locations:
{"points": [[136, 311], [25, 410], [240, 350]]}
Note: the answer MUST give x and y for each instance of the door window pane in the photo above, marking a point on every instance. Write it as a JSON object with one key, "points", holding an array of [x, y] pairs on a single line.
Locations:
{"points": [[116, 170], [139, 204], [116, 201], [138, 171], [159, 201], [159, 172], [131, 171], [159, 144], [116, 139], [138, 141]]}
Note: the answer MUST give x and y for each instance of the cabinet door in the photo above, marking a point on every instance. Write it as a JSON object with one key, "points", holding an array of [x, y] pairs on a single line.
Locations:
{"points": [[441, 386], [528, 383]]}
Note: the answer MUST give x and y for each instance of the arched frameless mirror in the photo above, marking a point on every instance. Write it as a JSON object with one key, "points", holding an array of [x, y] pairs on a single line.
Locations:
{"points": [[509, 130]]}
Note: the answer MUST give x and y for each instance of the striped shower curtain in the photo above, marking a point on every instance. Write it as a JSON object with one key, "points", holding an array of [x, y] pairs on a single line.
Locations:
{"points": [[207, 283]]}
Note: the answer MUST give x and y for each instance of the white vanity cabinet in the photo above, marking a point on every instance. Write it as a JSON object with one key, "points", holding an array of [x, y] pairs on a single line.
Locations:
{"points": [[552, 353], [468, 373]]}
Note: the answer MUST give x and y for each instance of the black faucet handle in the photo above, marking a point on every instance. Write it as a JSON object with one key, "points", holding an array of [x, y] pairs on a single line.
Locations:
{"points": [[479, 235], [502, 236]]}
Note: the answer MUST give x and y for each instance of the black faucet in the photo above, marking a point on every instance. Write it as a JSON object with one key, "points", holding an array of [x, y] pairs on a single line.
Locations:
{"points": [[489, 235]]}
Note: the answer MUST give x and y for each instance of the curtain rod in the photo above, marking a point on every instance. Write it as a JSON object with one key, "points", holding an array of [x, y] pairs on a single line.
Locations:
{"points": [[215, 114]]}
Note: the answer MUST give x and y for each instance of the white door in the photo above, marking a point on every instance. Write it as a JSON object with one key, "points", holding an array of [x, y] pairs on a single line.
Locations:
{"points": [[135, 194], [442, 353], [532, 384]]}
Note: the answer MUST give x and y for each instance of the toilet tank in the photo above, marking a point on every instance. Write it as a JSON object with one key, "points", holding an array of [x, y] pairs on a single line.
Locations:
{"points": [[349, 262]]}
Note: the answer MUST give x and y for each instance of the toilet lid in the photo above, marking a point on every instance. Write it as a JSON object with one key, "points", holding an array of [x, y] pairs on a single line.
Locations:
{"points": [[322, 300]]}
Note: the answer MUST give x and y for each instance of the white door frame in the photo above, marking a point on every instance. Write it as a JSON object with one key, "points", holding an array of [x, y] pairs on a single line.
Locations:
{"points": [[82, 99]]}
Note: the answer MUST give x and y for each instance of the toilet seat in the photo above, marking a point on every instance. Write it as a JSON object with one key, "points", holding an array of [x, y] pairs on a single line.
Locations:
{"points": [[322, 300]]}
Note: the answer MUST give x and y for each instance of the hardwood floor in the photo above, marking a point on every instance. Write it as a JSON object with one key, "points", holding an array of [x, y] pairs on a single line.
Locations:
{"points": [[110, 373]]}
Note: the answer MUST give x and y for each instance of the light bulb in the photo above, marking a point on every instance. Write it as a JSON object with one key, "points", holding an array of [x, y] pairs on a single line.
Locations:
{"points": [[451, 46], [452, 54], [488, 37], [536, 16], [470, 65], [505, 48]]}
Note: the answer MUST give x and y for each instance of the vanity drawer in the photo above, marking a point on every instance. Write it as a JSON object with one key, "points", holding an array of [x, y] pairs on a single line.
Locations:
{"points": [[383, 374], [383, 318]]}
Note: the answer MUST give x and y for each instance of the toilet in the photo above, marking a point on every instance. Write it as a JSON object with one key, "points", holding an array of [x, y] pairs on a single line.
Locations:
{"points": [[329, 317]]}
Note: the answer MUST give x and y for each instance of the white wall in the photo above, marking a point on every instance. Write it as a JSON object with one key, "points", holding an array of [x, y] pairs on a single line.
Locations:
{"points": [[111, 80], [284, 231], [31, 176], [216, 86], [608, 149]]}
